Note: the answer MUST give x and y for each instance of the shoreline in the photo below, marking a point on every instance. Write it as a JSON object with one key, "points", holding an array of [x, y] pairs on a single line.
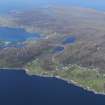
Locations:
{"points": [[66, 80], [58, 77]]}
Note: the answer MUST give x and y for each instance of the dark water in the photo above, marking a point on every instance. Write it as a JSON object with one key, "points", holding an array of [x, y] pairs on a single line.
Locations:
{"points": [[17, 88], [69, 40], [58, 49], [16, 34]]}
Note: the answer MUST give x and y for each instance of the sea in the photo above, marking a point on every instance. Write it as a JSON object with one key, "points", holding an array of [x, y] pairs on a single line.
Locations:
{"points": [[19, 88]]}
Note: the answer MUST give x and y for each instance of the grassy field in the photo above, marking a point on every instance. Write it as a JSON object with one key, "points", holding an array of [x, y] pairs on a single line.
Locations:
{"points": [[85, 77]]}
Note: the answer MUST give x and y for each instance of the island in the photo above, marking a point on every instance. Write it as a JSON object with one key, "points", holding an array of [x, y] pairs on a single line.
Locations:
{"points": [[71, 45]]}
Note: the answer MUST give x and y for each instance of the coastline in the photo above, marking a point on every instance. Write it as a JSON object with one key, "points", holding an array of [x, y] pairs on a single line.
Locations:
{"points": [[66, 80], [58, 77]]}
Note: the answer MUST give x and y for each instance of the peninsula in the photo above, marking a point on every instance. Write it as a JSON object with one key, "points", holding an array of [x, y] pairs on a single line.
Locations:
{"points": [[70, 44]]}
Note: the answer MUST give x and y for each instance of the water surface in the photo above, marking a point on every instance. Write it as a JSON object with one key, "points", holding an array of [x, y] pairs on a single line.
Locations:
{"points": [[69, 40], [16, 34], [17, 88], [58, 49]]}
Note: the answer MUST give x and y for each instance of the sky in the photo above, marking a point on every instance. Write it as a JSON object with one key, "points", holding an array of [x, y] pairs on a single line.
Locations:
{"points": [[7, 5]]}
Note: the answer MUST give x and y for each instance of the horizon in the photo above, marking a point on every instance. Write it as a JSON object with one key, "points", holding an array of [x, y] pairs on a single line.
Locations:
{"points": [[8, 5]]}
